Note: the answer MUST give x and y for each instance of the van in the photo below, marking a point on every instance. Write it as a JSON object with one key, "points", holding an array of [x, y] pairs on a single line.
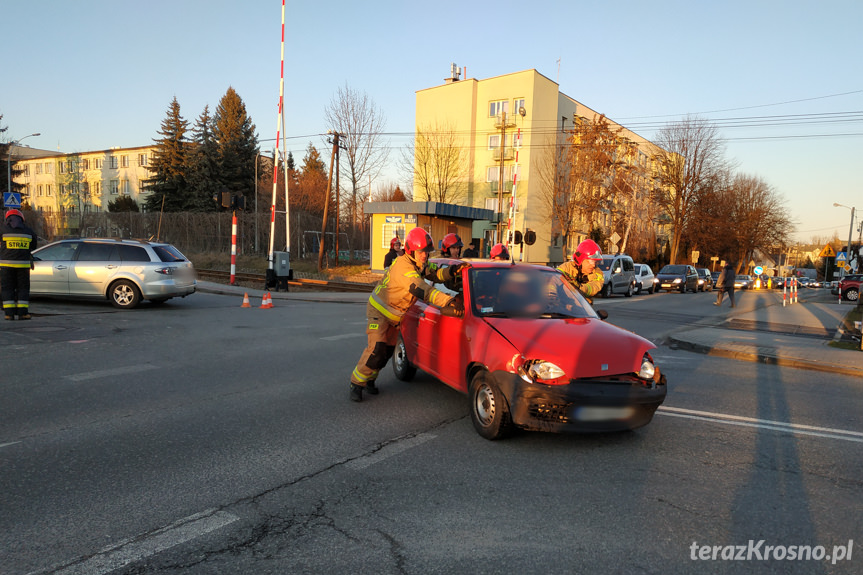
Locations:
{"points": [[619, 272]]}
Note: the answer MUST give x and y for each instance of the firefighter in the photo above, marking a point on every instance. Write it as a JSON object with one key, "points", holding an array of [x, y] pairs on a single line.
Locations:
{"points": [[581, 271], [403, 283], [499, 252], [18, 241], [395, 251], [452, 246]]}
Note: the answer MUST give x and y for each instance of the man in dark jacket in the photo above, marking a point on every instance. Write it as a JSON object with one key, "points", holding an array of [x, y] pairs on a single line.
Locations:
{"points": [[17, 241], [725, 283]]}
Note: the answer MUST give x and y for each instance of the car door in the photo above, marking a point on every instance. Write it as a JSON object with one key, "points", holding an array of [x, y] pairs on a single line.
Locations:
{"points": [[97, 262], [51, 267]]}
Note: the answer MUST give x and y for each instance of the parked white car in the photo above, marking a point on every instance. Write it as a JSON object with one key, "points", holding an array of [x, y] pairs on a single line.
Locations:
{"points": [[644, 279]]}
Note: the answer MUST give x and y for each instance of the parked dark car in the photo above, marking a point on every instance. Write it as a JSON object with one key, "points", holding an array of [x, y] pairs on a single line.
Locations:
{"points": [[743, 281], [680, 277], [849, 287], [714, 276], [705, 282]]}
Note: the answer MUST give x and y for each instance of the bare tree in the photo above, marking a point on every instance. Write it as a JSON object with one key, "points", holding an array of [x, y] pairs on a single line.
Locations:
{"points": [[437, 163], [389, 192], [361, 123], [760, 218], [689, 158]]}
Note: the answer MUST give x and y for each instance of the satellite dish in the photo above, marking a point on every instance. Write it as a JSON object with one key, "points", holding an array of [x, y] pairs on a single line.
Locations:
{"points": [[521, 111]]}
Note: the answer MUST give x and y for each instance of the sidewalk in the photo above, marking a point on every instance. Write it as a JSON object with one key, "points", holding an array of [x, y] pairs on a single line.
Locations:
{"points": [[798, 335], [256, 294]]}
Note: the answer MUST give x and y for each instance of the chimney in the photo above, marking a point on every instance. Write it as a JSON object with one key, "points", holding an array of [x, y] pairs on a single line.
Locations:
{"points": [[454, 73]]}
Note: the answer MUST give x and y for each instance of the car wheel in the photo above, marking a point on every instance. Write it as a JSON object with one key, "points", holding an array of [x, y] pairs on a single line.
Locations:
{"points": [[124, 294], [851, 294], [628, 291], [606, 290], [488, 408], [404, 370], [683, 288], [638, 289]]}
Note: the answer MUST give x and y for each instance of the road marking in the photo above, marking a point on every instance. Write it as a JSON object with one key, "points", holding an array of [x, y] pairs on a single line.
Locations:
{"points": [[795, 428], [342, 336], [142, 546], [10, 443], [389, 450], [112, 372]]}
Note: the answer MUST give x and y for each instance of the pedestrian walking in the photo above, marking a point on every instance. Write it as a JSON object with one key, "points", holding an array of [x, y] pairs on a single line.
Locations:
{"points": [[16, 261], [725, 283]]}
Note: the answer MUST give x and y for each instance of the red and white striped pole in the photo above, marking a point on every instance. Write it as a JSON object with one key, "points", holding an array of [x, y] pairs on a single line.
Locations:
{"points": [[234, 248], [270, 256], [784, 290]]}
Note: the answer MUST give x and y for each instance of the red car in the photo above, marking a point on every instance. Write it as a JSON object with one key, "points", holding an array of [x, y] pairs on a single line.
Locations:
{"points": [[531, 352]]}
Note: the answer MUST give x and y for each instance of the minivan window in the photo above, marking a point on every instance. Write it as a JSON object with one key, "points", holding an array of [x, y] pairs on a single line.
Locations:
{"points": [[97, 252]]}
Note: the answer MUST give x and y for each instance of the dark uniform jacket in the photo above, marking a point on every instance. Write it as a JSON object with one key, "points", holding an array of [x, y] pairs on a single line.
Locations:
{"points": [[16, 243]]}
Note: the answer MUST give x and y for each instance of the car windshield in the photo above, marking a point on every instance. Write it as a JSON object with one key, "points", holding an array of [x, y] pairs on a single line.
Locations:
{"points": [[604, 264], [522, 291], [673, 270]]}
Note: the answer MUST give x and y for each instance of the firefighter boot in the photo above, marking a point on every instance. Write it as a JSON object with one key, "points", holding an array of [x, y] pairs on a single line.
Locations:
{"points": [[24, 313], [356, 392], [371, 388]]}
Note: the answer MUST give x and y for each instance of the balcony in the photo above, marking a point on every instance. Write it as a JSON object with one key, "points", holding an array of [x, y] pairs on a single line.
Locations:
{"points": [[499, 121], [508, 154]]}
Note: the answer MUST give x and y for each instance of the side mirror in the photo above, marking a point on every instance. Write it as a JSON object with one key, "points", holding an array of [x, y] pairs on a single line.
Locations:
{"points": [[603, 315]]}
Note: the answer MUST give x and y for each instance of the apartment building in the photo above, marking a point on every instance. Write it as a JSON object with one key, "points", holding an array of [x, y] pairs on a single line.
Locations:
{"points": [[515, 120], [86, 181]]}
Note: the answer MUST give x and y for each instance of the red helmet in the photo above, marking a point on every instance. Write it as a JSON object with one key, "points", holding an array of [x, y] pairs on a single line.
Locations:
{"points": [[499, 252], [451, 241], [588, 249], [14, 212], [418, 240], [394, 241]]}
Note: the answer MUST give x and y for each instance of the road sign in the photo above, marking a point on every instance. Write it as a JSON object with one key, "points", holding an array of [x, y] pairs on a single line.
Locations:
{"points": [[714, 258], [827, 252], [614, 238], [695, 254], [758, 270], [12, 200], [841, 257], [848, 268]]}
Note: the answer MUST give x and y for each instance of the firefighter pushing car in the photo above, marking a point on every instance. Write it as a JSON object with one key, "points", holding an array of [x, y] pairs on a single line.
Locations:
{"points": [[403, 283], [16, 246], [581, 270]]}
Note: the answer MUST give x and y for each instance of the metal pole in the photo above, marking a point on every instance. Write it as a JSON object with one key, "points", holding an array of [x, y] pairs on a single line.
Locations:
{"points": [[500, 182], [234, 248], [848, 250], [270, 256]]}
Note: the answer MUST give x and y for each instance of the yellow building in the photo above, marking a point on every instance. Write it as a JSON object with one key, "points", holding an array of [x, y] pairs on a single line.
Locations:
{"points": [[85, 182], [528, 112]]}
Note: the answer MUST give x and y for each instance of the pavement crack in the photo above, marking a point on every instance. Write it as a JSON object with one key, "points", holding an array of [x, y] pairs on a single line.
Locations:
{"points": [[396, 551]]}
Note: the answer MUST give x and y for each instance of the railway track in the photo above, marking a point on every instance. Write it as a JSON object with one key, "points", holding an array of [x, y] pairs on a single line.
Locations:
{"points": [[309, 284]]}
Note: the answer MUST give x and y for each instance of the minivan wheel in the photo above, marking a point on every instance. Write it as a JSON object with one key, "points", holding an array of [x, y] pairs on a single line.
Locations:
{"points": [[628, 291], [606, 290], [124, 294]]}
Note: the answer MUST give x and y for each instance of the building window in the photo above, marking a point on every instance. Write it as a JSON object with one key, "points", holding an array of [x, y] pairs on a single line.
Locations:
{"points": [[124, 161], [38, 169], [98, 162], [496, 108], [39, 190], [85, 164], [142, 159], [115, 187], [27, 190], [70, 167], [494, 141], [113, 162], [62, 189], [49, 168], [517, 104], [48, 190], [26, 169], [96, 188], [62, 168], [124, 187]]}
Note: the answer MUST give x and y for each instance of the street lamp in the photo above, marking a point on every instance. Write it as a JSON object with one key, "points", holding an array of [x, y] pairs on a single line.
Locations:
{"points": [[9, 160], [850, 230]]}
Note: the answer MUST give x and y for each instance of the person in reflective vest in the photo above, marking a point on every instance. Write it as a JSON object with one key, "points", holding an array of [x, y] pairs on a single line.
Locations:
{"points": [[581, 270], [17, 242], [403, 283]]}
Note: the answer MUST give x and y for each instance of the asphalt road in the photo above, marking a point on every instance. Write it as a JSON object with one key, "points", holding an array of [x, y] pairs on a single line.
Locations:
{"points": [[199, 437]]}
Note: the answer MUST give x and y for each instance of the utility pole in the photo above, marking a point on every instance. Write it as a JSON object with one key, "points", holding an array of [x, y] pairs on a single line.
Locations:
{"points": [[500, 182], [338, 204], [335, 142]]}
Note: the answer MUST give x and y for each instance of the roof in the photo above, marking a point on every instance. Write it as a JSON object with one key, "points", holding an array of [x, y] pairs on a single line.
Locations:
{"points": [[429, 209]]}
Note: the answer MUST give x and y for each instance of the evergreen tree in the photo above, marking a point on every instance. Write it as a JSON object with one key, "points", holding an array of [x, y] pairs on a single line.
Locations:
{"points": [[237, 144], [203, 165], [291, 163], [168, 165], [123, 204], [5, 150]]}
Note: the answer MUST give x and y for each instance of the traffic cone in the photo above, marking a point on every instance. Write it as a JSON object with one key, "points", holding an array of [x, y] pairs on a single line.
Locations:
{"points": [[263, 302], [270, 301], [246, 300]]}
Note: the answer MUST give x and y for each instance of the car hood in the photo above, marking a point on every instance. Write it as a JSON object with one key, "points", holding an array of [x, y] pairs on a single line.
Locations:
{"points": [[582, 347]]}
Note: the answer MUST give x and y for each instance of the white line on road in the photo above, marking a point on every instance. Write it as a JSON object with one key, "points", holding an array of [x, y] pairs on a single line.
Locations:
{"points": [[111, 372], [342, 336], [389, 450], [729, 419], [10, 443], [142, 546]]}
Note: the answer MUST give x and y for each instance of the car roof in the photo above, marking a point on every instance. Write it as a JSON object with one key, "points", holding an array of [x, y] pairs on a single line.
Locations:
{"points": [[131, 241], [486, 263]]}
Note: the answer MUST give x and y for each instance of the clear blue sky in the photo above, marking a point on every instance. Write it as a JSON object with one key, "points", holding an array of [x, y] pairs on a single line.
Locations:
{"points": [[91, 74]]}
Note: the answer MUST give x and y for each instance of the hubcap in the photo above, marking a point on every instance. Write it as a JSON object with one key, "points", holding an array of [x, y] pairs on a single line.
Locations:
{"points": [[484, 404], [123, 295]]}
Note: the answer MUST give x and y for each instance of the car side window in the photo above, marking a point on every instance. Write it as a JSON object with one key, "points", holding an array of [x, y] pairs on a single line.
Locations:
{"points": [[133, 254], [628, 265], [58, 252], [97, 252]]}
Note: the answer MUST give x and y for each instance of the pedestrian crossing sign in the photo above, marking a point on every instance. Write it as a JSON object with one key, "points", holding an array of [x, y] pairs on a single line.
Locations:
{"points": [[841, 258], [827, 252]]}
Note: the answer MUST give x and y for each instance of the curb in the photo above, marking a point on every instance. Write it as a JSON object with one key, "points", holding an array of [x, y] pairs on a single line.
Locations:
{"points": [[311, 298], [765, 358]]}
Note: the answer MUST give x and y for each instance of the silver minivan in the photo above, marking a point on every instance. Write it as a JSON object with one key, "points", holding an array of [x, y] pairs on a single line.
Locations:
{"points": [[619, 272], [122, 271]]}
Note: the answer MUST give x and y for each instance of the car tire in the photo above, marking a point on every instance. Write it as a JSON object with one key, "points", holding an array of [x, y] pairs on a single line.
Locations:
{"points": [[638, 290], [402, 367], [606, 290], [489, 410], [124, 294], [629, 291], [851, 294], [651, 289], [683, 288], [159, 301]]}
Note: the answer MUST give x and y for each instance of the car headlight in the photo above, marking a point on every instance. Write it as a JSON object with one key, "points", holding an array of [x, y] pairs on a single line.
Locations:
{"points": [[533, 371], [676, 281], [648, 370]]}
